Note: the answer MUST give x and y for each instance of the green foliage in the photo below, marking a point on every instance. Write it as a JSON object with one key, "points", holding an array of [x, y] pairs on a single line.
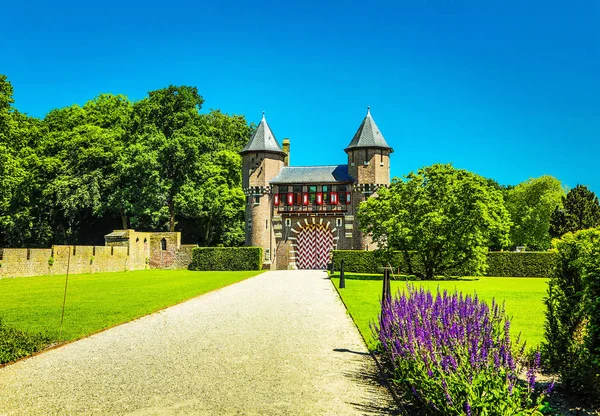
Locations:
{"points": [[112, 163], [573, 313], [528, 264], [357, 261], [227, 258], [447, 216], [503, 264], [531, 205], [15, 344], [580, 210]]}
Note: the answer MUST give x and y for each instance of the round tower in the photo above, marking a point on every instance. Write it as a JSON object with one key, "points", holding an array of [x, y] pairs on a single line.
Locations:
{"points": [[262, 159], [369, 165]]}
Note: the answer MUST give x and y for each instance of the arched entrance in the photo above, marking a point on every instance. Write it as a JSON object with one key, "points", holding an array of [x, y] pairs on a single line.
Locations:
{"points": [[315, 242]]}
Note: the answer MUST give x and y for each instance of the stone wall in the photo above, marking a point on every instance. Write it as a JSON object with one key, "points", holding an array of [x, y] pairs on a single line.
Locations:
{"points": [[124, 250], [21, 262]]}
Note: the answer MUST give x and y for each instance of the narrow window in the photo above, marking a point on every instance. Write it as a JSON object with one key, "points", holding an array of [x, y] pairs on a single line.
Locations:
{"points": [[288, 222], [112, 250], [28, 254], [312, 196], [256, 199], [94, 250], [297, 189], [163, 244], [74, 250], [338, 222], [326, 190], [266, 224]]}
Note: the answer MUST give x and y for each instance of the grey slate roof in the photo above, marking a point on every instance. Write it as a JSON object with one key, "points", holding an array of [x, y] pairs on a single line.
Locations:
{"points": [[313, 174], [368, 135], [263, 140]]}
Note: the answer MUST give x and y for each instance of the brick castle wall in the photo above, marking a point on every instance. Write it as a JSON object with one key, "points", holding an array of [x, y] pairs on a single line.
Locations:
{"points": [[129, 250]]}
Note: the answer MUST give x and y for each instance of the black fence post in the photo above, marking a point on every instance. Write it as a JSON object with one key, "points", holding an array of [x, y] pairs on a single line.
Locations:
{"points": [[383, 288], [342, 277], [386, 288], [389, 283]]}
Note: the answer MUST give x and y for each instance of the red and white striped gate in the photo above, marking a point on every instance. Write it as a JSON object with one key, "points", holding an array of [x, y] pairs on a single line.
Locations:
{"points": [[315, 242]]}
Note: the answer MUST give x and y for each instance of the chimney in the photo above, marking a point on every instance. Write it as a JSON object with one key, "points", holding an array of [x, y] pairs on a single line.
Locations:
{"points": [[286, 149]]}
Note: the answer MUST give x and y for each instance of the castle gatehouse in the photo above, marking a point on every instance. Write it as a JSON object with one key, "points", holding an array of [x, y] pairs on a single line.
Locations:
{"points": [[298, 214]]}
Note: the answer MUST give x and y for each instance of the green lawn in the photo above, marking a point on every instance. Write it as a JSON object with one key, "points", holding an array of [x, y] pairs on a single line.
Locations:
{"points": [[523, 300], [102, 300]]}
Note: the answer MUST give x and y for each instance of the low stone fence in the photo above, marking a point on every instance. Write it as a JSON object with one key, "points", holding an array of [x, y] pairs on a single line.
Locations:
{"points": [[16, 262], [124, 250]]}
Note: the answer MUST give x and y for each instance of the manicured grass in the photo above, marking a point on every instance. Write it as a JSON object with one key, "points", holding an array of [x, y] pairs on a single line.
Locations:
{"points": [[523, 300], [102, 300]]}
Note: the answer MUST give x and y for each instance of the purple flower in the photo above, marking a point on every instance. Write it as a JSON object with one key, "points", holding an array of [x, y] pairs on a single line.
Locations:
{"points": [[439, 343], [467, 408]]}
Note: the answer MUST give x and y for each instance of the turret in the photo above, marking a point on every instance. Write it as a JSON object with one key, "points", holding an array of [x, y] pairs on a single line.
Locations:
{"points": [[369, 154], [262, 159], [369, 165]]}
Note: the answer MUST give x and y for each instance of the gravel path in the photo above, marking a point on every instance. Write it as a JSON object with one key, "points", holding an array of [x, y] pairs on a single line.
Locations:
{"points": [[277, 344]]}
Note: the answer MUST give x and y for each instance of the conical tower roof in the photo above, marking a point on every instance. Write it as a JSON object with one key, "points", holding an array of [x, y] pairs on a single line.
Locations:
{"points": [[263, 140], [368, 136]]}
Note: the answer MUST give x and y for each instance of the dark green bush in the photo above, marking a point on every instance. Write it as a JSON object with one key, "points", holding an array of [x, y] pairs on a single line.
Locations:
{"points": [[357, 261], [362, 261], [511, 264], [227, 258], [15, 344], [572, 328], [500, 263]]}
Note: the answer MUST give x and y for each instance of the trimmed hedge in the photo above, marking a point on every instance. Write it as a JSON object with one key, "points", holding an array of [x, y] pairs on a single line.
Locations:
{"points": [[534, 264], [226, 258], [501, 264]]}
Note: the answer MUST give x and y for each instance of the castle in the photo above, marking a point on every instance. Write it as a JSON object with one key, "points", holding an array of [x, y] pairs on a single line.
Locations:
{"points": [[298, 214]]}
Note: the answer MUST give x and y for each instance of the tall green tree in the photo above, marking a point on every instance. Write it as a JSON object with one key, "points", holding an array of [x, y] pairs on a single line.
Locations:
{"points": [[446, 216], [146, 165], [580, 211], [168, 121], [215, 198], [531, 204]]}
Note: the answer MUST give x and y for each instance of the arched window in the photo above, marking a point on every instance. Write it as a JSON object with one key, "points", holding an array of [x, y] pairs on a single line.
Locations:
{"points": [[163, 244]]}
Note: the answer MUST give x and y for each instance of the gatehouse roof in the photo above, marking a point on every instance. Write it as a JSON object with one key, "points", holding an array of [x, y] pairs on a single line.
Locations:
{"points": [[313, 174], [368, 136], [263, 140]]}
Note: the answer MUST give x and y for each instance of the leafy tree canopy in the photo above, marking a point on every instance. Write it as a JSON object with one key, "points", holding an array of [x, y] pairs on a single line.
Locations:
{"points": [[531, 204], [448, 216], [113, 163], [580, 211]]}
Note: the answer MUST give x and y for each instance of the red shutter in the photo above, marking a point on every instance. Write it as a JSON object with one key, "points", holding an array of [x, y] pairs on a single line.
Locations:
{"points": [[319, 198], [334, 198], [348, 197], [276, 200], [304, 199], [290, 199]]}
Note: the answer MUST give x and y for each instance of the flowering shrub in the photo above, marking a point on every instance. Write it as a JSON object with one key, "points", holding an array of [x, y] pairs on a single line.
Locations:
{"points": [[455, 355]]}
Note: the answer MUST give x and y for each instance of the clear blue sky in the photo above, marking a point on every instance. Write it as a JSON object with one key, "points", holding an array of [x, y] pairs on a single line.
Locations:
{"points": [[507, 89]]}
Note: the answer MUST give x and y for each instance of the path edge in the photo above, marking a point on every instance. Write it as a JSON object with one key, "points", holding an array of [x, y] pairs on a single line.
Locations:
{"points": [[380, 367]]}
